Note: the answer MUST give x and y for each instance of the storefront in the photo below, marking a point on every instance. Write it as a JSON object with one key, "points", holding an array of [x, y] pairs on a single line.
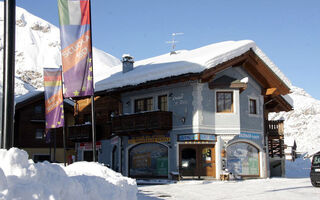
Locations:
{"points": [[243, 159], [85, 152], [148, 157], [197, 155]]}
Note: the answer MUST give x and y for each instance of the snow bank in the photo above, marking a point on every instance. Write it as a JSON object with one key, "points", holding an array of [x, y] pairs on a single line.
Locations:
{"points": [[20, 178]]}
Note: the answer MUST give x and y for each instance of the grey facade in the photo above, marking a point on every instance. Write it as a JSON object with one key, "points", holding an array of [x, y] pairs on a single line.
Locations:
{"points": [[193, 107]]}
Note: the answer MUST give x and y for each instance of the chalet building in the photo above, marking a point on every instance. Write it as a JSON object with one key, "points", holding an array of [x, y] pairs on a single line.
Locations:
{"points": [[195, 113], [29, 127]]}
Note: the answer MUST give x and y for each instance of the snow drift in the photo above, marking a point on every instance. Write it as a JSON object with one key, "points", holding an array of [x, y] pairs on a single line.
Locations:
{"points": [[21, 178]]}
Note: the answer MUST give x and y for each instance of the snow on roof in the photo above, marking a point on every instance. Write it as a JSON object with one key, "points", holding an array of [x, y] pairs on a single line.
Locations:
{"points": [[27, 96], [183, 62], [288, 99]]}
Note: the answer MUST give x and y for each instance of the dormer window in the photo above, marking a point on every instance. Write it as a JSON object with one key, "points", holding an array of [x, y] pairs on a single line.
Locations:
{"points": [[141, 105], [224, 102]]}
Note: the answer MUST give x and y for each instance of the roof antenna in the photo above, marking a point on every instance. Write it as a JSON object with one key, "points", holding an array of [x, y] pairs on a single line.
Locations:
{"points": [[173, 42]]}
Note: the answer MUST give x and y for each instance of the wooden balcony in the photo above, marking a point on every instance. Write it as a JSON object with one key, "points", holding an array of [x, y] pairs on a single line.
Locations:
{"points": [[154, 122], [83, 132], [275, 129]]}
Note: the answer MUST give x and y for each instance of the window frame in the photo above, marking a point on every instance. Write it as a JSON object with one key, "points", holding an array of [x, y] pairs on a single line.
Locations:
{"points": [[255, 106], [164, 103], [145, 104], [232, 102]]}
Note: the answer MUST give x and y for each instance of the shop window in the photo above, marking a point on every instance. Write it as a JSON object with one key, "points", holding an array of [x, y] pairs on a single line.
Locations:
{"points": [[224, 102], [148, 160], [243, 159], [163, 103], [39, 134], [188, 161], [145, 104], [252, 106]]}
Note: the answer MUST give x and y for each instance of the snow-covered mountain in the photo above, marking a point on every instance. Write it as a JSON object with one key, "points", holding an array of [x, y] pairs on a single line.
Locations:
{"points": [[38, 47], [303, 123]]}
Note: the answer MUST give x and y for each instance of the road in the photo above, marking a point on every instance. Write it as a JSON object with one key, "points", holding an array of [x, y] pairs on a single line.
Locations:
{"points": [[274, 188]]}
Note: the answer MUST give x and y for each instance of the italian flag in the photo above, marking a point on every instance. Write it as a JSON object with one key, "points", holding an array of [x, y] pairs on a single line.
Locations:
{"points": [[74, 12]]}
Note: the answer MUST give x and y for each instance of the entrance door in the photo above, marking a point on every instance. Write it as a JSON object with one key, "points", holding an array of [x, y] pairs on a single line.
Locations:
{"points": [[197, 160], [207, 162]]}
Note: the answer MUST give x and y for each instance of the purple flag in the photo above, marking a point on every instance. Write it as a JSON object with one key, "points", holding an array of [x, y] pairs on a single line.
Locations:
{"points": [[76, 49], [53, 97]]}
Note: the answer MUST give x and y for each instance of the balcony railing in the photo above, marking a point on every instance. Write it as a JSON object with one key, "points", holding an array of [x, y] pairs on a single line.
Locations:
{"points": [[141, 122], [80, 133], [275, 128], [83, 132]]}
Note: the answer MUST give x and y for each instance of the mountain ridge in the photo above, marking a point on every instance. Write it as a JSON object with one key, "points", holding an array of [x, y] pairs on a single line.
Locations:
{"points": [[38, 46]]}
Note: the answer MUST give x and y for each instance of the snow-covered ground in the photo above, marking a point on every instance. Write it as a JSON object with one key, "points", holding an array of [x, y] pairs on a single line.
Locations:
{"points": [[21, 179], [261, 189]]}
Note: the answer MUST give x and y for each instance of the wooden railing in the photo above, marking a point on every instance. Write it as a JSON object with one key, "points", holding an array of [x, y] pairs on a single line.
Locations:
{"points": [[139, 122], [275, 128], [83, 132]]}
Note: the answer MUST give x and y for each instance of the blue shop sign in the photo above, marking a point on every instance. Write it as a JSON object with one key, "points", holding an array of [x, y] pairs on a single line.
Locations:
{"points": [[207, 137], [250, 136], [197, 137], [188, 137]]}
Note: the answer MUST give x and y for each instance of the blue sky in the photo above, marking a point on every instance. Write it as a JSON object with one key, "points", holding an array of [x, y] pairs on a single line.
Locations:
{"points": [[287, 31]]}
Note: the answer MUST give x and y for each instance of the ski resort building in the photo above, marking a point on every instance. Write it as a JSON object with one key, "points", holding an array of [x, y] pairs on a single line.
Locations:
{"points": [[197, 113], [29, 129]]}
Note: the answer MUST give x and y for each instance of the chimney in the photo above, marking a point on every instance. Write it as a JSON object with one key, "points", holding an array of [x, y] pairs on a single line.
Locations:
{"points": [[127, 63]]}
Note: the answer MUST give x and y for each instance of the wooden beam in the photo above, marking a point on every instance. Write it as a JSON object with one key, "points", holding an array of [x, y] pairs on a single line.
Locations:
{"points": [[273, 78], [272, 91], [252, 70]]}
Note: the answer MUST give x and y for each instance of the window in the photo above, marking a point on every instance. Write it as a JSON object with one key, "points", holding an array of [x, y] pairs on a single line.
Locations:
{"points": [[39, 134], [252, 106], [38, 109], [225, 102], [145, 104], [148, 160], [163, 103], [243, 159]]}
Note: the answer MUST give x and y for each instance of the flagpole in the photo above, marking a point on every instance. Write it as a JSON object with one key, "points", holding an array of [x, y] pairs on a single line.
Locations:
{"points": [[64, 126], [7, 131], [93, 124], [93, 118], [64, 142]]}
